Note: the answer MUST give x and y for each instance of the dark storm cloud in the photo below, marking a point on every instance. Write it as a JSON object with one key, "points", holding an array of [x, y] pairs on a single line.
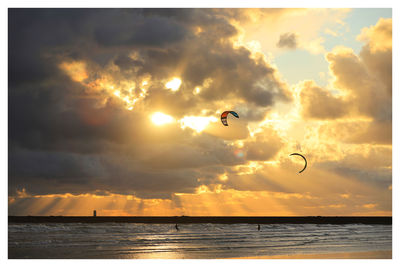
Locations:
{"points": [[153, 31], [287, 40], [125, 62], [39, 121], [61, 140], [61, 172], [233, 73], [59, 166], [33, 34]]}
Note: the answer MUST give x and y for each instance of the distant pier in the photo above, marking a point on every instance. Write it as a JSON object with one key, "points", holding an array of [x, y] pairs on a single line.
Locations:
{"points": [[204, 219]]}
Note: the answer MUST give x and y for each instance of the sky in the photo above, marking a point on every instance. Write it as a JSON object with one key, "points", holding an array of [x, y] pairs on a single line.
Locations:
{"points": [[118, 110]]}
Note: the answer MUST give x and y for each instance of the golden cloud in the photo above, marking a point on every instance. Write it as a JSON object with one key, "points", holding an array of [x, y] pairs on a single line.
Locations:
{"points": [[379, 36]]}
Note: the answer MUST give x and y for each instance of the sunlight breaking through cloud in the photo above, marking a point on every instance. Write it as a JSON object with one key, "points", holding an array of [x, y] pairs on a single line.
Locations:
{"points": [[197, 123], [174, 84], [159, 118]]}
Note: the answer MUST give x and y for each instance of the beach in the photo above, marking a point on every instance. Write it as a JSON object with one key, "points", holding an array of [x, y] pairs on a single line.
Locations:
{"points": [[383, 254], [197, 241]]}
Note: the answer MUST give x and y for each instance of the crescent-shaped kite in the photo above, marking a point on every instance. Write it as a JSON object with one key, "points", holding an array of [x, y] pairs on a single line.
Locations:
{"points": [[224, 116], [305, 161]]}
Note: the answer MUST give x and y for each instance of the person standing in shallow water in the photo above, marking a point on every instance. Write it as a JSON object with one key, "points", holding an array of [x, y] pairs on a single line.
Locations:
{"points": [[176, 226], [258, 227]]}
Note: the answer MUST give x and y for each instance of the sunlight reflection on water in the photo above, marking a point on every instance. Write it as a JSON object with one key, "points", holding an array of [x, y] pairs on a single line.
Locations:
{"points": [[196, 241]]}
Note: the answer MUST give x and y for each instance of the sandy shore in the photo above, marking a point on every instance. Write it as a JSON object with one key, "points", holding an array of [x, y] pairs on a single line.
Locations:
{"points": [[385, 254], [59, 253]]}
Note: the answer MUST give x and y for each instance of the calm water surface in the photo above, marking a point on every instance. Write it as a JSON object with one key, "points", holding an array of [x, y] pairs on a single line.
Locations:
{"points": [[192, 241]]}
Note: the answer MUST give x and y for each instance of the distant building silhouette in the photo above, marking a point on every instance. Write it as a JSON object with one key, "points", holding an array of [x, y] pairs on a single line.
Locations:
{"points": [[94, 213]]}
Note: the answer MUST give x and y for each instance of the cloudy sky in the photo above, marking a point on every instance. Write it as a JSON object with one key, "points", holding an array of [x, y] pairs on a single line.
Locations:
{"points": [[118, 110]]}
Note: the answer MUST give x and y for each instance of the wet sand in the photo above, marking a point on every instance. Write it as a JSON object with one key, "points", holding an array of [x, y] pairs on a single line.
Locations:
{"points": [[384, 254], [60, 254]]}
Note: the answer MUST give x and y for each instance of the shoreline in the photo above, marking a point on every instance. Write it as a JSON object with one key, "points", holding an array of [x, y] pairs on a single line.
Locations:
{"points": [[379, 254], [386, 220]]}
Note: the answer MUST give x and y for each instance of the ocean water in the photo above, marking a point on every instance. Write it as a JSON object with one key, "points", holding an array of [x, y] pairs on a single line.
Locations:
{"points": [[192, 241]]}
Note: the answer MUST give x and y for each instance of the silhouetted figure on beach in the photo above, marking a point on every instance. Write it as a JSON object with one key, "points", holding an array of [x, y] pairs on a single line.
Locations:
{"points": [[176, 226], [258, 227]]}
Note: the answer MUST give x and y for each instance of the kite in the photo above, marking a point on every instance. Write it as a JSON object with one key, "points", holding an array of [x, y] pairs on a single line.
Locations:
{"points": [[305, 166], [224, 116]]}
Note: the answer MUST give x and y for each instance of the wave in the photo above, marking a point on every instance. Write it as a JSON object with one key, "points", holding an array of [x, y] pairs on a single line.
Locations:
{"points": [[82, 240]]}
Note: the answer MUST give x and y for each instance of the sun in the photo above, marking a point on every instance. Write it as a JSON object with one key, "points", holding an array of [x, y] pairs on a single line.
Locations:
{"points": [[159, 118], [174, 84]]}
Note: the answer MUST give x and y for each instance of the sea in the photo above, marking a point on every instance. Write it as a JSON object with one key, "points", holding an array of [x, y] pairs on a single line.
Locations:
{"points": [[189, 241]]}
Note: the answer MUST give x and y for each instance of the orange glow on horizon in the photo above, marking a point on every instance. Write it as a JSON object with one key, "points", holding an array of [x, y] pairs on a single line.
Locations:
{"points": [[205, 202]]}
